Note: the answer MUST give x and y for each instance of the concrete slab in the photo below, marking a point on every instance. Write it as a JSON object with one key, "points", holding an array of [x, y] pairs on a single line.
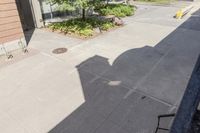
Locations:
{"points": [[110, 127], [132, 66], [81, 120], [138, 113], [134, 35], [26, 101], [18, 55], [96, 65], [117, 41], [117, 82], [144, 8], [101, 100], [52, 41], [173, 72], [160, 16], [106, 110], [192, 23], [103, 96]]}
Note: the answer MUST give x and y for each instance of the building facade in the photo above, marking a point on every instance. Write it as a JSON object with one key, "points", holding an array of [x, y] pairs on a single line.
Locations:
{"points": [[19, 16], [10, 24]]}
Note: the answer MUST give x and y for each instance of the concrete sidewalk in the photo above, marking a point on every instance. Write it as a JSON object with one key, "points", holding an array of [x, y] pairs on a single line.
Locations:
{"points": [[116, 83]]}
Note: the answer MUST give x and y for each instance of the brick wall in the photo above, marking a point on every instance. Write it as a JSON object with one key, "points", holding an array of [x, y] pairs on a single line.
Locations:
{"points": [[10, 25]]}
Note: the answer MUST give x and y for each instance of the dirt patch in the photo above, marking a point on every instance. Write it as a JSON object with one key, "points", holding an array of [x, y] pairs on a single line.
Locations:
{"points": [[18, 55]]}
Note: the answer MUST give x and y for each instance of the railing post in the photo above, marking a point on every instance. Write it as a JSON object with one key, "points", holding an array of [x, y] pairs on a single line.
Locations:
{"points": [[7, 54]]}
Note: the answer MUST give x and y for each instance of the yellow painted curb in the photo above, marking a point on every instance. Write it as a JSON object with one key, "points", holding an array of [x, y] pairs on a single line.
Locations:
{"points": [[180, 13]]}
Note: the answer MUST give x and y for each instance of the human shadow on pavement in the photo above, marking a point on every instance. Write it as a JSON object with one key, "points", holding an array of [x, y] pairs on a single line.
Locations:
{"points": [[128, 95]]}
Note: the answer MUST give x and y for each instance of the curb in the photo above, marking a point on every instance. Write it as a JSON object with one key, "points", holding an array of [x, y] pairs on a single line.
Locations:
{"points": [[182, 12]]}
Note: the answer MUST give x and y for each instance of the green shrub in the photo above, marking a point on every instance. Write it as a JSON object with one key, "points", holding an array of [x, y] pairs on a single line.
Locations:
{"points": [[119, 10], [80, 27], [107, 25], [54, 26], [86, 32]]}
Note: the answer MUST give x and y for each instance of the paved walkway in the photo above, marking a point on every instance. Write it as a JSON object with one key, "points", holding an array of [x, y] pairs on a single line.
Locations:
{"points": [[116, 83]]}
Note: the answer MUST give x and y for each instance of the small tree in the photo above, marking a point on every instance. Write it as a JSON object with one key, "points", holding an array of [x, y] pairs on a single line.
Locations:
{"points": [[74, 4]]}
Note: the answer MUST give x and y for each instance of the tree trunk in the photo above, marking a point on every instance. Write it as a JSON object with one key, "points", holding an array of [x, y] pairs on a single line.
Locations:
{"points": [[107, 2], [83, 13]]}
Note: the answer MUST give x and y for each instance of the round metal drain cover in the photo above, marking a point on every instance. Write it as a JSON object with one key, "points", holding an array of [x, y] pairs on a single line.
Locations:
{"points": [[59, 50]]}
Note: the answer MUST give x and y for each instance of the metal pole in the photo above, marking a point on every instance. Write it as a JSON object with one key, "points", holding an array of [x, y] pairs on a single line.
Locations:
{"points": [[51, 11], [22, 46]]}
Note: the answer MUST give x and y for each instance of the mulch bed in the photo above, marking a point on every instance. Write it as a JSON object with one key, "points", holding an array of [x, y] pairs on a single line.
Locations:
{"points": [[82, 37]]}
